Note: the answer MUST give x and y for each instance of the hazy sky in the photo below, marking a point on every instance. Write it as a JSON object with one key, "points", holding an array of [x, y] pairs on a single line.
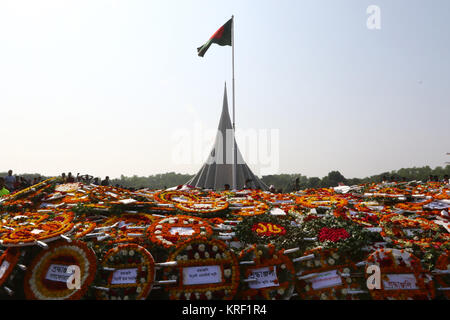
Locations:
{"points": [[109, 87]]}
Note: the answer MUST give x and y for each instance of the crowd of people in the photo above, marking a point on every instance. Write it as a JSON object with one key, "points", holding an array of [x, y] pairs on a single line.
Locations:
{"points": [[86, 178], [13, 183]]}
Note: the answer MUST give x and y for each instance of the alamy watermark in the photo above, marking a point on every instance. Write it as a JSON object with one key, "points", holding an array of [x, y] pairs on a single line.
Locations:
{"points": [[374, 19], [259, 148], [73, 282], [374, 280]]}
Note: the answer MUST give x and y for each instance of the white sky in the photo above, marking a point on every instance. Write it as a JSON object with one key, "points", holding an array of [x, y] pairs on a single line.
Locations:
{"points": [[103, 87]]}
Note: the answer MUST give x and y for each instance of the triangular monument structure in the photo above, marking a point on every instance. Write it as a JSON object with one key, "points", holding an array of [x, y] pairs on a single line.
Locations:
{"points": [[218, 169]]}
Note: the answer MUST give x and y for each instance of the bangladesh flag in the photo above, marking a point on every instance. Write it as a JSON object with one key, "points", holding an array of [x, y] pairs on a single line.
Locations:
{"points": [[222, 37]]}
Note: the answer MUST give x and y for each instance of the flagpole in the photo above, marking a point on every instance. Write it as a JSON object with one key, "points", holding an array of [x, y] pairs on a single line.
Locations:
{"points": [[234, 126]]}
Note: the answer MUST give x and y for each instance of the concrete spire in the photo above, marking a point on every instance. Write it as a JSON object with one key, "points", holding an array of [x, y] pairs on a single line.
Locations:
{"points": [[218, 169]]}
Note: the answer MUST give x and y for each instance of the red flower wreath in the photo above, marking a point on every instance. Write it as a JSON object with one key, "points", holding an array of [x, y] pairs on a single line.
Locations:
{"points": [[332, 234]]}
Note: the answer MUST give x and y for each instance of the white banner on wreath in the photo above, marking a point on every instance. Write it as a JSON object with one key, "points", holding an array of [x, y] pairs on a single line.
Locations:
{"points": [[202, 275], [400, 282], [57, 272], [5, 265], [264, 278], [326, 280], [182, 231], [124, 276]]}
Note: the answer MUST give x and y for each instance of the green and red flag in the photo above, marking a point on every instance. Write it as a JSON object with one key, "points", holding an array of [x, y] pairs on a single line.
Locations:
{"points": [[222, 37]]}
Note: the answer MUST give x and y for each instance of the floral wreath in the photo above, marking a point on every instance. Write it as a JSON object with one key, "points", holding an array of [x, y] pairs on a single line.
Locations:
{"points": [[395, 261], [68, 187], [128, 273], [184, 227], [12, 221], [444, 195], [318, 200], [8, 261], [407, 232], [174, 197], [278, 200], [130, 228], [428, 188], [387, 192], [332, 266], [46, 278], [272, 270], [27, 191], [443, 263], [214, 259], [365, 219], [83, 227], [203, 207], [80, 195], [265, 229], [331, 232], [247, 208], [108, 194], [412, 206], [26, 229], [313, 191], [367, 206]]}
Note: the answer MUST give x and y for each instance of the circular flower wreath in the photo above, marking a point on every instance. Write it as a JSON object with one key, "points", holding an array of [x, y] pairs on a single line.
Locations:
{"points": [[328, 276], [174, 197], [317, 200], [368, 207], [198, 256], [129, 227], [388, 192], [444, 195], [79, 196], [108, 194], [128, 273], [365, 219], [26, 229], [407, 232], [265, 229], [8, 261], [279, 200], [170, 231], [247, 208], [400, 262], [30, 190], [46, 279], [83, 227], [412, 206], [68, 187], [204, 207], [272, 272], [443, 264], [331, 232]]}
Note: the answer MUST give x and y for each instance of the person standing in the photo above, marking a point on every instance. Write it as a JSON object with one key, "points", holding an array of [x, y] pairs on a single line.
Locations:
{"points": [[17, 183], [297, 184], [70, 178], [106, 181], [24, 183], [3, 190], [10, 180]]}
